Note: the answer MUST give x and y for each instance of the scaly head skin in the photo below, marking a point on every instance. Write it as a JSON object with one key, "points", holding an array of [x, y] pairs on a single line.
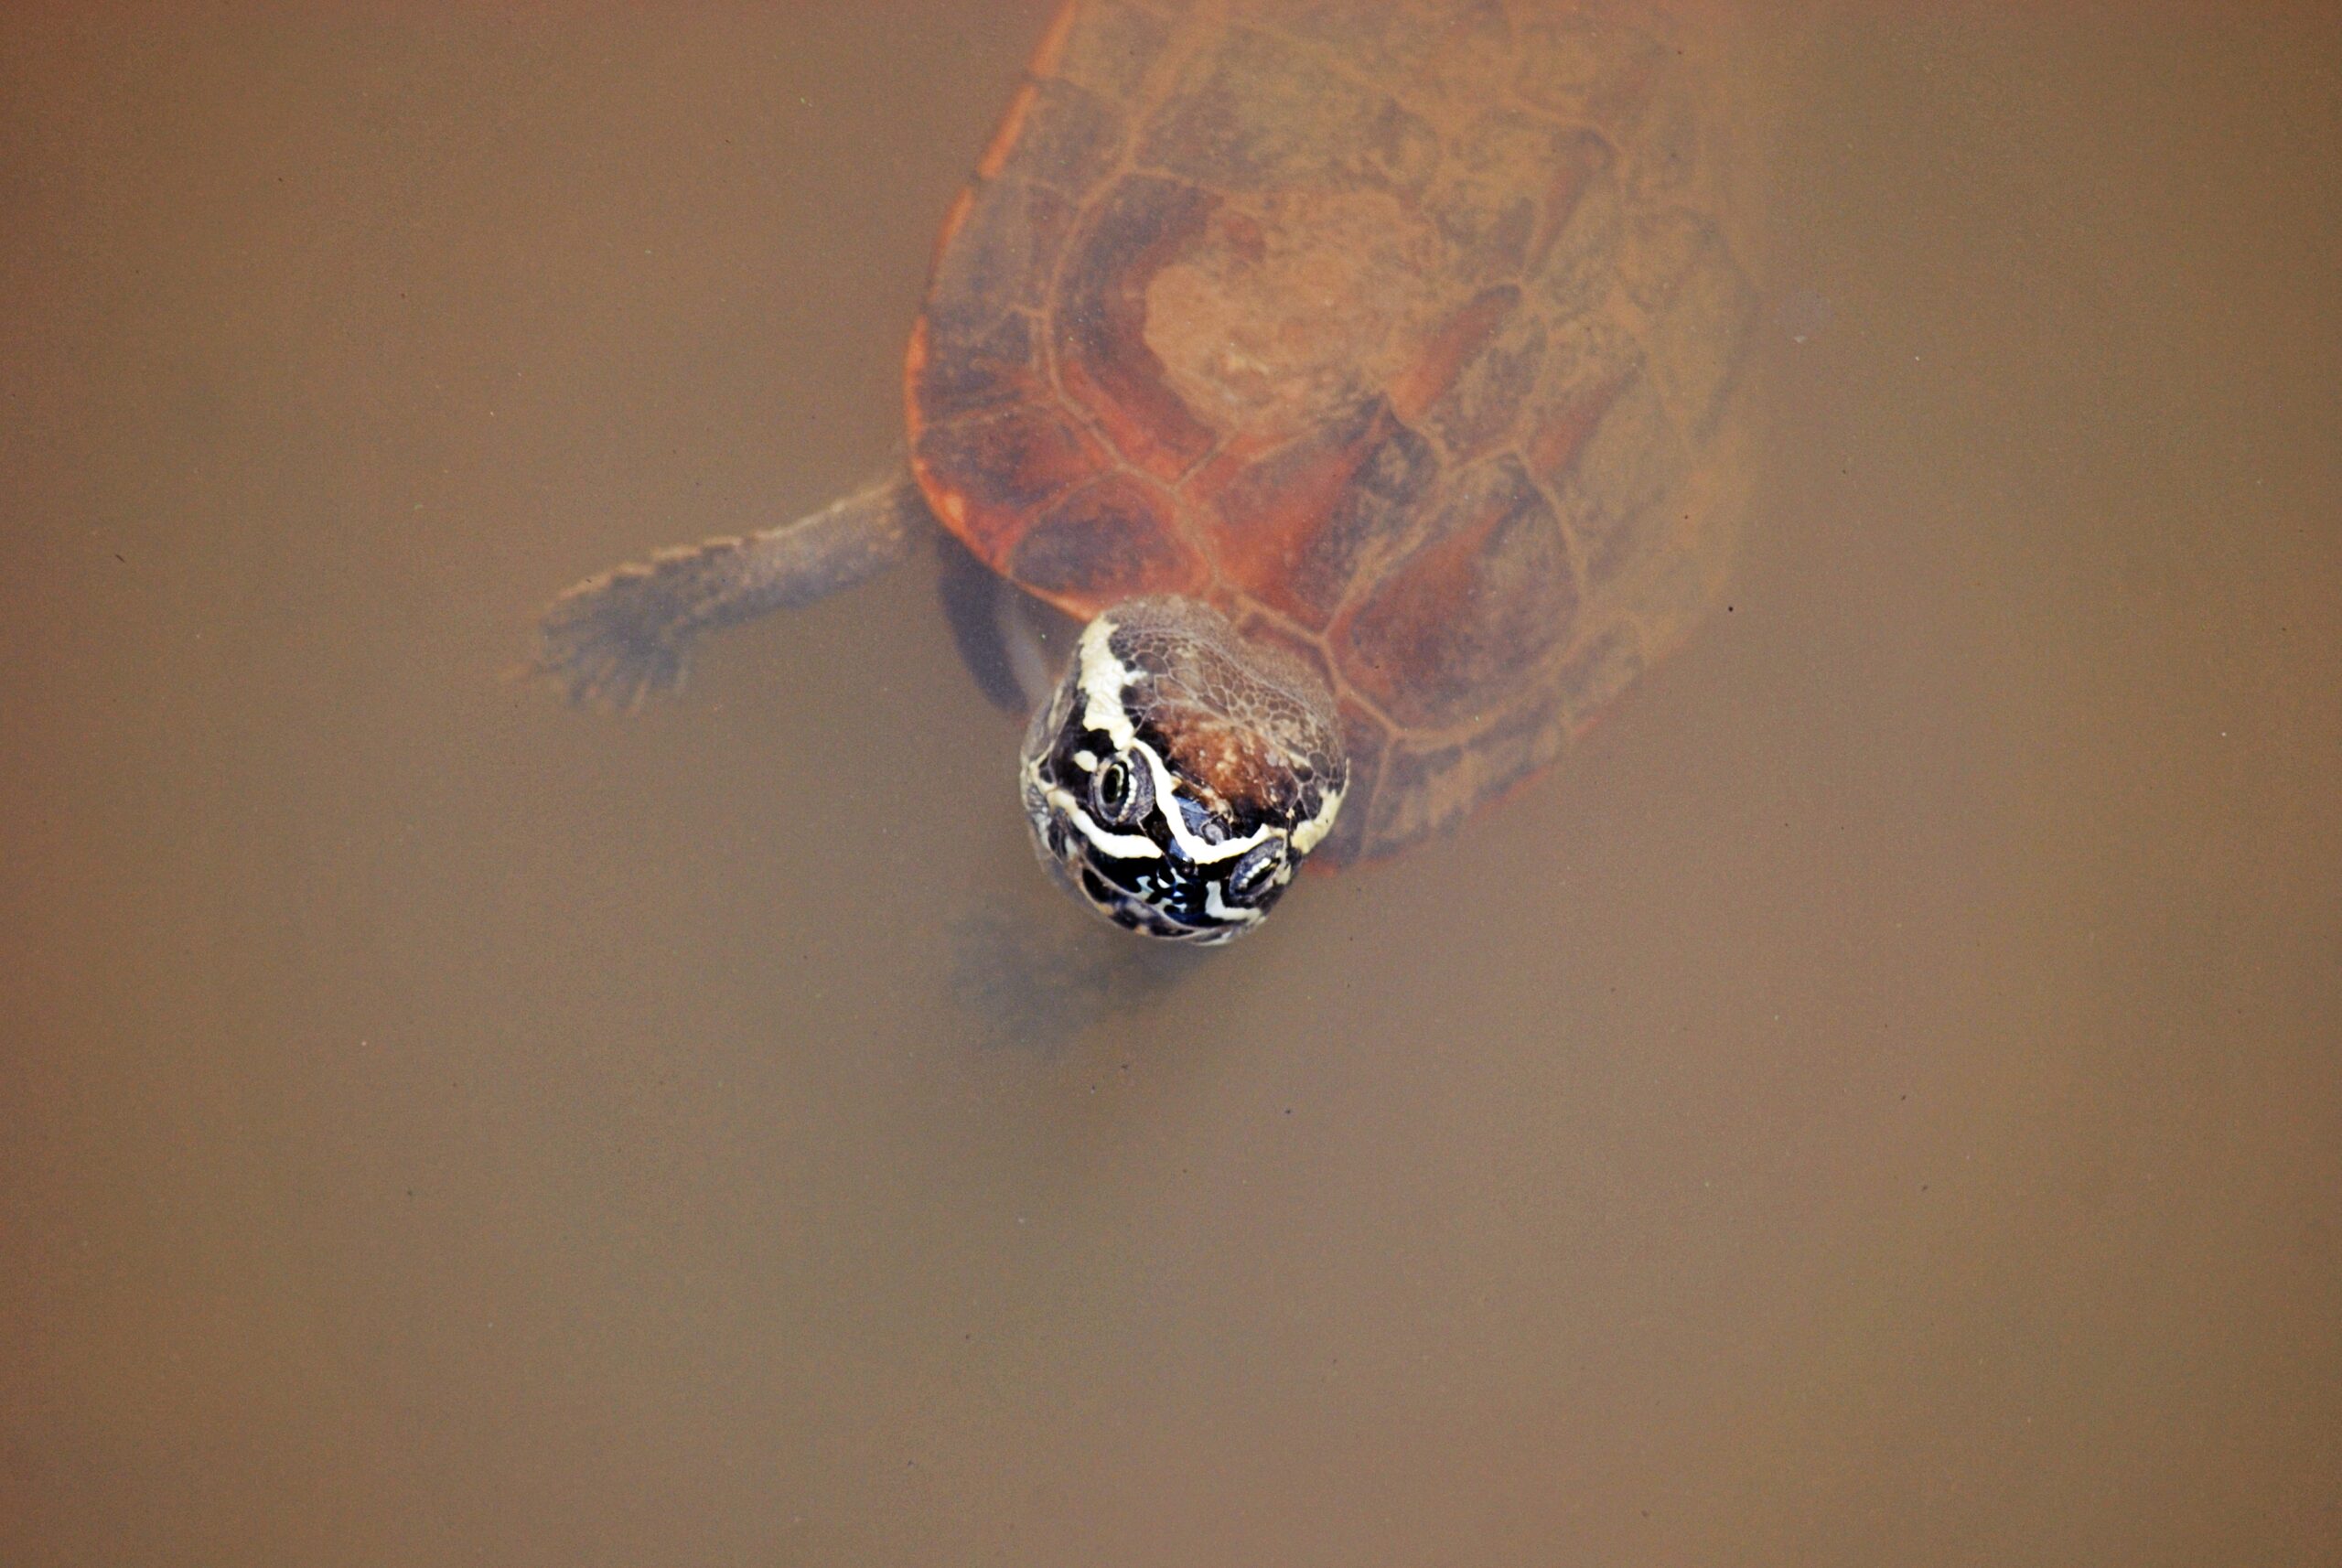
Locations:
{"points": [[1179, 774]]}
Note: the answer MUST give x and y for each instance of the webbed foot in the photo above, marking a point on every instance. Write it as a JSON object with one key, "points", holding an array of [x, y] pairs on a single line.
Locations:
{"points": [[627, 635]]}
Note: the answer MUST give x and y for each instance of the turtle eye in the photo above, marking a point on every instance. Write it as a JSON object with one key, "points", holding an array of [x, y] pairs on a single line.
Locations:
{"points": [[1255, 873], [1120, 793]]}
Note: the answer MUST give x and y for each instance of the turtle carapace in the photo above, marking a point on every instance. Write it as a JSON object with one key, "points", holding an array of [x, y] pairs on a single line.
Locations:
{"points": [[1361, 376]]}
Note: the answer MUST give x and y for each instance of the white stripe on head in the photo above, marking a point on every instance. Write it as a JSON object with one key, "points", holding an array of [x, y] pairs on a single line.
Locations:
{"points": [[1104, 676], [1122, 846], [1219, 908], [1309, 834], [1166, 803]]}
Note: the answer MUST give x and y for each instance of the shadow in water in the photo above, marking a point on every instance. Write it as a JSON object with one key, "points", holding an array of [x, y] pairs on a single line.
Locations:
{"points": [[1034, 973]]}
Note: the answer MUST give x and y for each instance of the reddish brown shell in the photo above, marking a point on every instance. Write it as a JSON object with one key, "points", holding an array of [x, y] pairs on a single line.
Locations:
{"points": [[1405, 332]]}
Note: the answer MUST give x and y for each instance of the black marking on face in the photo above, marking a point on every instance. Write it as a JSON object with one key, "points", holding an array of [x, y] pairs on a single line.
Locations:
{"points": [[1152, 848]]}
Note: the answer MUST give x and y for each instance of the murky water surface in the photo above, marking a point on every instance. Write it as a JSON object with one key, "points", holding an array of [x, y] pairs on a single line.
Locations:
{"points": [[1876, 1101]]}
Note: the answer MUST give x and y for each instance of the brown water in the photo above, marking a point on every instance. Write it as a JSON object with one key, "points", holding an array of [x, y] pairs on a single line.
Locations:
{"points": [[1876, 1103]]}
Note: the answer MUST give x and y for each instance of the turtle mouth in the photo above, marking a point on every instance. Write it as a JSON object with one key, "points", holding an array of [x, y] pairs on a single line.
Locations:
{"points": [[1131, 822]]}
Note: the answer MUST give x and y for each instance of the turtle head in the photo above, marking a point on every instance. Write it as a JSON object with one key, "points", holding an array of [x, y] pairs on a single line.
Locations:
{"points": [[1180, 773]]}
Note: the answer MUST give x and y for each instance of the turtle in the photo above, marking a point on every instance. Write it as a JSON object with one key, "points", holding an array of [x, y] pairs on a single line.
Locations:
{"points": [[1361, 377]]}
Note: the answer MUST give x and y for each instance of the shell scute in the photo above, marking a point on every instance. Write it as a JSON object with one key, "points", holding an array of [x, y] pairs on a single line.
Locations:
{"points": [[1103, 356], [974, 365], [1428, 786], [1295, 527], [1495, 187], [1112, 50], [1000, 253], [1617, 487], [1593, 675], [1258, 111], [1481, 405], [1004, 468], [1062, 136], [1588, 363], [1457, 344], [1113, 539], [1573, 256], [1443, 635], [1701, 306]]}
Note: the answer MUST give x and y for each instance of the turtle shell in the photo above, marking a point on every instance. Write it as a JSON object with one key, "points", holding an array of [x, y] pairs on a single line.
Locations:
{"points": [[1405, 333]]}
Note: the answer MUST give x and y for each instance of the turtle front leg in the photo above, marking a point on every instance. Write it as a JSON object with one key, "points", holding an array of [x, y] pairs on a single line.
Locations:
{"points": [[627, 634]]}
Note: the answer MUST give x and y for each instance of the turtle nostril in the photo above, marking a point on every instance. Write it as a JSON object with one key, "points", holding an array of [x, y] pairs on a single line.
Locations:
{"points": [[1200, 820]]}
